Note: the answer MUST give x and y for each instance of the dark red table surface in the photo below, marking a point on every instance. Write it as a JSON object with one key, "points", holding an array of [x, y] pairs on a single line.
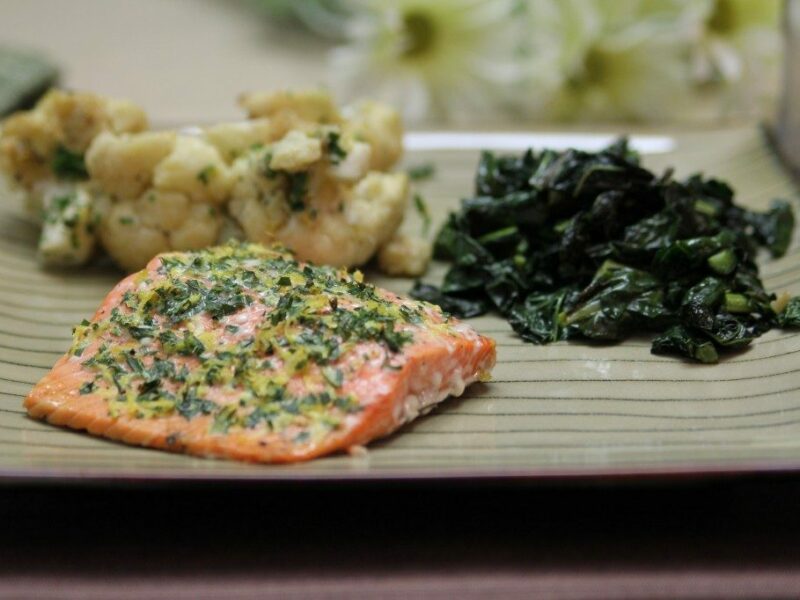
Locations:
{"points": [[732, 537]]}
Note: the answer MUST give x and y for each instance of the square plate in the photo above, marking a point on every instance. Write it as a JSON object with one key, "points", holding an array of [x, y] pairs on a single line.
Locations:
{"points": [[563, 410]]}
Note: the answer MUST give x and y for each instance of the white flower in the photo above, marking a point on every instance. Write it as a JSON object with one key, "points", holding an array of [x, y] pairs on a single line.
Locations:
{"points": [[620, 60], [442, 59], [640, 60], [737, 48]]}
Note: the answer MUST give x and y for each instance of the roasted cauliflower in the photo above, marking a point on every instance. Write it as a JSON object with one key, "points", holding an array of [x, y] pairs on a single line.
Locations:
{"points": [[157, 191], [42, 156], [48, 142], [299, 171]]}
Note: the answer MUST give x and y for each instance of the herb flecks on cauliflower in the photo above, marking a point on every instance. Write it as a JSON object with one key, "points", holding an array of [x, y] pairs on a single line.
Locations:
{"points": [[295, 152], [292, 108], [123, 165], [42, 155], [68, 227], [300, 172], [157, 191], [323, 188], [49, 141]]}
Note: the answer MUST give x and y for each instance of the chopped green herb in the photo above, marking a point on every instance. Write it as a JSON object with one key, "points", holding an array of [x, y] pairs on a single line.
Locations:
{"points": [[187, 345], [163, 346], [206, 174], [336, 153], [58, 206], [269, 172], [191, 405], [297, 189], [422, 210], [334, 376], [421, 172], [69, 165], [224, 419]]}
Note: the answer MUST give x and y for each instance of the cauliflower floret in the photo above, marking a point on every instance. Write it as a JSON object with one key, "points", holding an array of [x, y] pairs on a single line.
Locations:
{"points": [[378, 202], [379, 126], [127, 239], [164, 210], [375, 124], [164, 195], [195, 168], [355, 163], [134, 231], [68, 230], [200, 230], [350, 208], [259, 219], [316, 106], [64, 122], [295, 152], [27, 144], [234, 139], [372, 212], [83, 116], [122, 165], [258, 202], [405, 255], [320, 217], [125, 116]]}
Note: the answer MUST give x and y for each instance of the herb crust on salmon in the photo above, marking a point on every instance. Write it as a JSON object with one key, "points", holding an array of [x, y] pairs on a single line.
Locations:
{"points": [[240, 351]]}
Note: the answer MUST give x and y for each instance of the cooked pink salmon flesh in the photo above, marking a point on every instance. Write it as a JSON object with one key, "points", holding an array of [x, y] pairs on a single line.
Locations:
{"points": [[239, 351]]}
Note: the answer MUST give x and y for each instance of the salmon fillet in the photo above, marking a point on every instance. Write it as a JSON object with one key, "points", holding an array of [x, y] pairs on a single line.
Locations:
{"points": [[241, 352]]}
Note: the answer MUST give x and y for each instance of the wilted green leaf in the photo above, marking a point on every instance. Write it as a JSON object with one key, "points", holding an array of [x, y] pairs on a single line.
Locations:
{"points": [[577, 244]]}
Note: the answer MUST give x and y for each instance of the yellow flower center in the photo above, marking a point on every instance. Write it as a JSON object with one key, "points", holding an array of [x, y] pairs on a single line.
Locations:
{"points": [[723, 17], [595, 66], [593, 70], [419, 35]]}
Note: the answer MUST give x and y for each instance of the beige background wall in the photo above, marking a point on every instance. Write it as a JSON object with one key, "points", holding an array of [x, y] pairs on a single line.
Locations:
{"points": [[184, 60]]}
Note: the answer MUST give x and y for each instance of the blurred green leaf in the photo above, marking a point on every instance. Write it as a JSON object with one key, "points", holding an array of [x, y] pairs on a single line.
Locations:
{"points": [[24, 76]]}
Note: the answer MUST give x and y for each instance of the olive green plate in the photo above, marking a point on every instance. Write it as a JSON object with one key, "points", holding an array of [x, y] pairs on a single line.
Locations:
{"points": [[565, 410]]}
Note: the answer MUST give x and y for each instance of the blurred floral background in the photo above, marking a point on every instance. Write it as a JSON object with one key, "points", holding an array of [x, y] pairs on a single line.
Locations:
{"points": [[549, 60]]}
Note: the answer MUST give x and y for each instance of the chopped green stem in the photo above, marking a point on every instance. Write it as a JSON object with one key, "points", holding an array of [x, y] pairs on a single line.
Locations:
{"points": [[737, 303], [723, 262]]}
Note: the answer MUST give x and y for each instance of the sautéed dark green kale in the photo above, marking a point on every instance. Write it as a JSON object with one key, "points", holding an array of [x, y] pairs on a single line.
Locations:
{"points": [[593, 245]]}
